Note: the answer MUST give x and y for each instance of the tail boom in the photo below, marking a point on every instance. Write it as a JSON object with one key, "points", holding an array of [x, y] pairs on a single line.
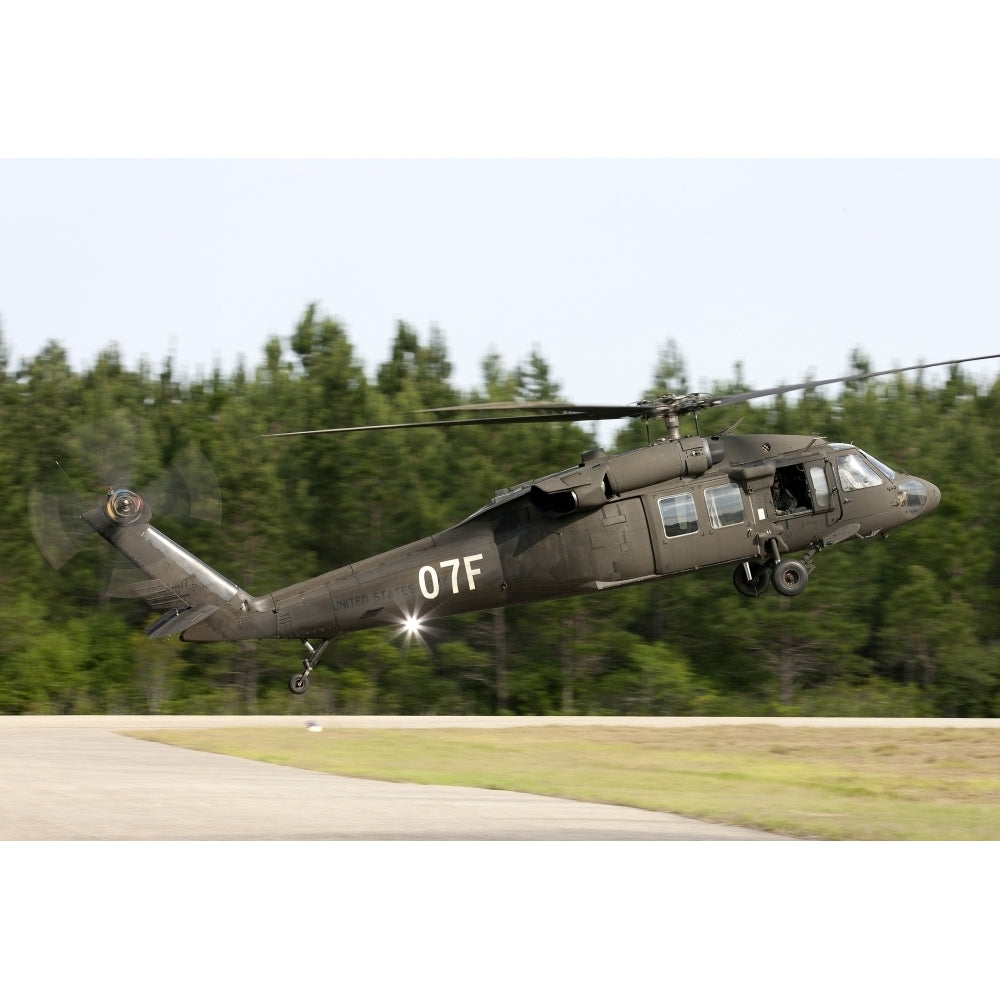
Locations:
{"points": [[193, 596]]}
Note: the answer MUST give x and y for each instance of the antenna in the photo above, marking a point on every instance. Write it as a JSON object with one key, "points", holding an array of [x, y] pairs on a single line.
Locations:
{"points": [[70, 481]]}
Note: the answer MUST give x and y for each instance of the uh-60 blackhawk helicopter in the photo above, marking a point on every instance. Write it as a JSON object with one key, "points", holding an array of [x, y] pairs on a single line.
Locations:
{"points": [[679, 504]]}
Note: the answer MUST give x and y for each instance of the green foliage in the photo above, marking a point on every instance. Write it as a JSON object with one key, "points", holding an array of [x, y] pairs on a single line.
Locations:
{"points": [[899, 627]]}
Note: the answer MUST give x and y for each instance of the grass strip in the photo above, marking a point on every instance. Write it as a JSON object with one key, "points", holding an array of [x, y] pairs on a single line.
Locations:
{"points": [[831, 784]]}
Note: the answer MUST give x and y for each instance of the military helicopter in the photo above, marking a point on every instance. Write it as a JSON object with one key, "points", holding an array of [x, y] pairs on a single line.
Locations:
{"points": [[679, 504]]}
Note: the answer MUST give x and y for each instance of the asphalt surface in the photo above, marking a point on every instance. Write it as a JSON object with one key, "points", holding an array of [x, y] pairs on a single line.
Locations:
{"points": [[78, 778]]}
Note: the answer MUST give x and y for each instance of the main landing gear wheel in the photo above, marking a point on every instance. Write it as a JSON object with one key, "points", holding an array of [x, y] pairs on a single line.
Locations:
{"points": [[752, 578], [299, 684], [790, 577]]}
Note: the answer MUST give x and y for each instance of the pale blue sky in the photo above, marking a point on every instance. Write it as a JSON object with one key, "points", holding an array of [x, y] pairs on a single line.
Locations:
{"points": [[783, 265]]}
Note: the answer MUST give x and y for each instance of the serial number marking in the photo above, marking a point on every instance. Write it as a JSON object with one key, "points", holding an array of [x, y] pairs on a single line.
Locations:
{"points": [[430, 581]]}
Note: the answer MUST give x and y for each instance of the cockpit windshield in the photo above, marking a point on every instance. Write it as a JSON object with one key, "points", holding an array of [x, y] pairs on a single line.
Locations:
{"points": [[881, 466], [857, 468]]}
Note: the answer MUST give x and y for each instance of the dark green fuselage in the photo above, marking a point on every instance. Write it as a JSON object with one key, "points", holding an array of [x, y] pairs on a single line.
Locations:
{"points": [[592, 528]]}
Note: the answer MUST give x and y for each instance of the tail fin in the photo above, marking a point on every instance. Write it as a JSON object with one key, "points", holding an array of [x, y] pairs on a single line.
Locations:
{"points": [[188, 590]]}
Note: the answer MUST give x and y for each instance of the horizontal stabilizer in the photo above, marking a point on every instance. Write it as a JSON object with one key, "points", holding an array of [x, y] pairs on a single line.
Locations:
{"points": [[155, 594], [174, 622]]}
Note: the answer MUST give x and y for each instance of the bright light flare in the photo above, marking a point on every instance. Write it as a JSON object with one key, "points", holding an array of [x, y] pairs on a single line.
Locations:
{"points": [[411, 625]]}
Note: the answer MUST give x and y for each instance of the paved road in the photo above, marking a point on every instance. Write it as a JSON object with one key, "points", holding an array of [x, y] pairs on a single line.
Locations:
{"points": [[70, 778]]}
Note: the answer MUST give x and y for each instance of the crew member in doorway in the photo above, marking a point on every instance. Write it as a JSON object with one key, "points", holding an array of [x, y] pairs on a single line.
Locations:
{"points": [[782, 498]]}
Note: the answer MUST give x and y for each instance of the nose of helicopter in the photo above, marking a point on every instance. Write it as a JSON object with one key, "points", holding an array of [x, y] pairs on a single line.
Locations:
{"points": [[919, 496], [933, 496]]}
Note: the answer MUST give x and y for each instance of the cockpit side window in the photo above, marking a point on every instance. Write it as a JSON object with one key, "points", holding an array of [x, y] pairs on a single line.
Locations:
{"points": [[856, 473], [821, 488]]}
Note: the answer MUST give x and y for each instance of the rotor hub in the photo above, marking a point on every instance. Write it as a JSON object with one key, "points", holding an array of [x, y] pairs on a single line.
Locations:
{"points": [[125, 506]]}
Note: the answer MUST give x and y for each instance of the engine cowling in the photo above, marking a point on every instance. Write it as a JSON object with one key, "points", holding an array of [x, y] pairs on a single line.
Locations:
{"points": [[633, 470], [598, 478]]}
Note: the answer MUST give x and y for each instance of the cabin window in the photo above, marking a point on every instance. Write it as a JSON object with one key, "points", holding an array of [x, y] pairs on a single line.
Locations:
{"points": [[725, 505], [678, 515], [856, 473]]}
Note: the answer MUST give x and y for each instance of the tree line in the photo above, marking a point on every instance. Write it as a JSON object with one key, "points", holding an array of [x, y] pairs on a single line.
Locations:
{"points": [[905, 626]]}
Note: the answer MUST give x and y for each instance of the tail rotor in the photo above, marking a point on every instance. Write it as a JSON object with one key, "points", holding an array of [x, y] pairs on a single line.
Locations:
{"points": [[101, 457]]}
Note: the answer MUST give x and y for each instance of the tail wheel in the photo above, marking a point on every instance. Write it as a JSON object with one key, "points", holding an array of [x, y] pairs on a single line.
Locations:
{"points": [[790, 577], [299, 684]]}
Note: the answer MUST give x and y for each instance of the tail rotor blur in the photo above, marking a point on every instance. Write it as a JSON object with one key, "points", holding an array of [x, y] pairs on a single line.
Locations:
{"points": [[105, 454]]}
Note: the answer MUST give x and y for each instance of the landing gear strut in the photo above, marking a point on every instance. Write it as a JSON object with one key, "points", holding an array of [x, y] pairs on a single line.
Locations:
{"points": [[299, 684], [788, 576]]}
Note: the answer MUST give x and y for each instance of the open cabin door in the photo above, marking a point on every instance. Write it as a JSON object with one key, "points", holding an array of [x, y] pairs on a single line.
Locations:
{"points": [[804, 488]]}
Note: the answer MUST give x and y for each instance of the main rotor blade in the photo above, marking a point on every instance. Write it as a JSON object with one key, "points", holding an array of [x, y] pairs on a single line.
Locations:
{"points": [[566, 414], [546, 411], [780, 390], [571, 410]]}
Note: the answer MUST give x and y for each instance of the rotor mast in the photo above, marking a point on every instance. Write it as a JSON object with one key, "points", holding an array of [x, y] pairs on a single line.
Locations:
{"points": [[673, 422]]}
